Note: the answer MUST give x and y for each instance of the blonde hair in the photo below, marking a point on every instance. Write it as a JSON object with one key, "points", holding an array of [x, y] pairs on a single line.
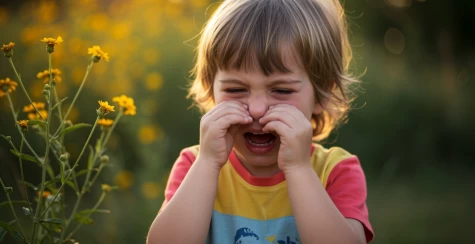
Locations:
{"points": [[246, 33]]}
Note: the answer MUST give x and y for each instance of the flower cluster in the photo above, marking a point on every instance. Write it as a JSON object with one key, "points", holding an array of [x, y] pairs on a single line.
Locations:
{"points": [[8, 49], [51, 42], [32, 114], [105, 122], [7, 86], [126, 103], [98, 54], [104, 108], [56, 73], [23, 125]]}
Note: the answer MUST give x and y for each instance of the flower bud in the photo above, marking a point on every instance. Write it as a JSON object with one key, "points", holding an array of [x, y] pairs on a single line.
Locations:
{"points": [[47, 87], [104, 159], [96, 59], [106, 188], [26, 211], [64, 157]]}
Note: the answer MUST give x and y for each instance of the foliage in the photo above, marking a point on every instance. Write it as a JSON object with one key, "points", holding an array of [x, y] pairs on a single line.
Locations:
{"points": [[48, 217]]}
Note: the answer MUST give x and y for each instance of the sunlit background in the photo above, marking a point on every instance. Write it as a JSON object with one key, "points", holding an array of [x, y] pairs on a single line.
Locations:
{"points": [[411, 126]]}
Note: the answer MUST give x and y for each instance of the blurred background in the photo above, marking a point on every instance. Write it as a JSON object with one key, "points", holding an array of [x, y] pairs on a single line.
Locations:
{"points": [[412, 126]]}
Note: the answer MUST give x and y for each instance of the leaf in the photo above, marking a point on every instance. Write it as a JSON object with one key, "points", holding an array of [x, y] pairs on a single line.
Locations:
{"points": [[83, 219], [73, 128], [84, 171], [70, 183], [12, 232], [36, 122], [29, 184], [7, 138], [3, 232], [6, 203], [57, 178], [53, 221], [57, 104], [25, 157]]}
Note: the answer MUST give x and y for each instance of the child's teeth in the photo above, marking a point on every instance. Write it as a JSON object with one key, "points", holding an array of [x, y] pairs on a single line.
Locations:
{"points": [[260, 144]]}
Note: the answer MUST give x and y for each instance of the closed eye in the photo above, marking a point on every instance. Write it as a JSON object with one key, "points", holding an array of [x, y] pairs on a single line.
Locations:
{"points": [[234, 90], [283, 91]]}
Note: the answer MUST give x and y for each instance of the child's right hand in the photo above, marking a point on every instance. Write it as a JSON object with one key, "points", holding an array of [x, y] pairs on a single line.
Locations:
{"points": [[217, 130]]}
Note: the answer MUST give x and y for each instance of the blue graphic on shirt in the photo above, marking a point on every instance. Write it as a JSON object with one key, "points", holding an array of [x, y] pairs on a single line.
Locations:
{"points": [[227, 228], [245, 236]]}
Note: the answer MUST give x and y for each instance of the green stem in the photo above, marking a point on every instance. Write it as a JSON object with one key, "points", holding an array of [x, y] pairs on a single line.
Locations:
{"points": [[101, 198], [23, 178], [101, 166], [117, 118], [60, 114], [73, 168], [24, 89], [19, 129], [13, 210], [45, 164], [75, 97]]}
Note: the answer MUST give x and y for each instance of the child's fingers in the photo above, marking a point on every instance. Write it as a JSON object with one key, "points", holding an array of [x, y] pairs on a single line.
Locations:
{"points": [[292, 110], [277, 126], [232, 119], [223, 111], [283, 116], [225, 104]]}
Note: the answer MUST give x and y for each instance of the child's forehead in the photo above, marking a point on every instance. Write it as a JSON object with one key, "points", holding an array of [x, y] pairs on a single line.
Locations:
{"points": [[282, 60]]}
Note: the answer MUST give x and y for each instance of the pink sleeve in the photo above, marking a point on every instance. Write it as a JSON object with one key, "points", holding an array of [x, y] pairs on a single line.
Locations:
{"points": [[346, 186], [177, 174]]}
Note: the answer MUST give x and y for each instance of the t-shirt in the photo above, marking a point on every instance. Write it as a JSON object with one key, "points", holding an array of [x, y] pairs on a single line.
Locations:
{"points": [[250, 209]]}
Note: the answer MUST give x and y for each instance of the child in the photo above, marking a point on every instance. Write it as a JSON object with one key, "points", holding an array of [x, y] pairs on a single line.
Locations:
{"points": [[270, 75]]}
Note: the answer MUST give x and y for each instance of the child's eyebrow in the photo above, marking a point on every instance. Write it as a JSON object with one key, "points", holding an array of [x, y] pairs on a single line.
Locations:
{"points": [[287, 82], [274, 82], [232, 81]]}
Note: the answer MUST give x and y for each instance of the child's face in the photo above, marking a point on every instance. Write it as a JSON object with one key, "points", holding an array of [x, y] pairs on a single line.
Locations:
{"points": [[258, 153]]}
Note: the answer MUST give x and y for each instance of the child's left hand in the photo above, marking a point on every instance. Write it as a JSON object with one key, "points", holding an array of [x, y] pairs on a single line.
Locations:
{"points": [[295, 132]]}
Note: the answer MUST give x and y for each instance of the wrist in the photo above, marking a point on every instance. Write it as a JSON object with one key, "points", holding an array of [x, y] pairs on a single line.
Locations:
{"points": [[208, 163], [297, 169]]}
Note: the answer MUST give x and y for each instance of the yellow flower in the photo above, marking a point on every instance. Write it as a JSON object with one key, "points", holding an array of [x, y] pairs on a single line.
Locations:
{"points": [[36, 116], [31, 109], [105, 122], [45, 75], [127, 103], [51, 41], [97, 53], [7, 85], [23, 124], [104, 108], [8, 49]]}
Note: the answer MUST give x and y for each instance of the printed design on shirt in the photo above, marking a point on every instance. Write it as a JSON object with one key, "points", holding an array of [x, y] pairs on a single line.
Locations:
{"points": [[247, 236]]}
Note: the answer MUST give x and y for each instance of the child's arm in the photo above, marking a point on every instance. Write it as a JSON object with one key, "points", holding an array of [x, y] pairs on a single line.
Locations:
{"points": [[317, 218], [186, 218]]}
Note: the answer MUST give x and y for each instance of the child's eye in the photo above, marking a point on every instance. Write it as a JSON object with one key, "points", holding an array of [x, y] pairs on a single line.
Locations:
{"points": [[234, 90], [281, 91]]}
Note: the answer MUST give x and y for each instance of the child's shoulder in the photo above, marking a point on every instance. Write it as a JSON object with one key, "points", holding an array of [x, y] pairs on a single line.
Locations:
{"points": [[324, 160]]}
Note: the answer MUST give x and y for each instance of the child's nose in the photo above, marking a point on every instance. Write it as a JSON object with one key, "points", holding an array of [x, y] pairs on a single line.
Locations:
{"points": [[257, 107]]}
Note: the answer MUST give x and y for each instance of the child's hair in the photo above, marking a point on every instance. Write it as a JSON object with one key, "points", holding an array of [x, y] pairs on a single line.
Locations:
{"points": [[252, 33]]}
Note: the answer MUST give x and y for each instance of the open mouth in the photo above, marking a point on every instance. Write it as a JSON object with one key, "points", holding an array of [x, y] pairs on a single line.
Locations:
{"points": [[260, 139]]}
